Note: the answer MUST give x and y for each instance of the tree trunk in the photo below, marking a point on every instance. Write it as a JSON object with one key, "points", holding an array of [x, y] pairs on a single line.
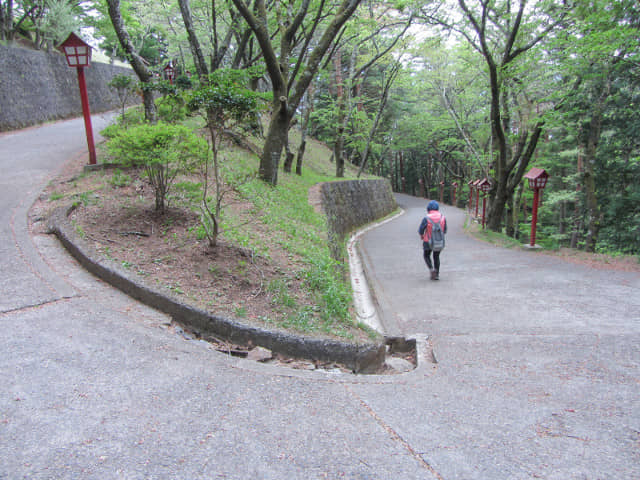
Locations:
{"points": [[274, 143], [286, 92], [6, 21], [510, 223], [308, 108], [496, 208], [338, 152], [289, 156], [577, 217], [338, 147], [383, 103], [516, 212], [150, 111], [194, 44], [137, 63], [594, 217], [301, 149]]}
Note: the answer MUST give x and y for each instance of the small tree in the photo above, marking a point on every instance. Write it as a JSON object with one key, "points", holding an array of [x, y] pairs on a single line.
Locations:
{"points": [[163, 150], [124, 86], [224, 101]]}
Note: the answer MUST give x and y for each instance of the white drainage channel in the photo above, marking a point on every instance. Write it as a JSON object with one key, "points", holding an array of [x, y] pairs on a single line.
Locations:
{"points": [[363, 302]]}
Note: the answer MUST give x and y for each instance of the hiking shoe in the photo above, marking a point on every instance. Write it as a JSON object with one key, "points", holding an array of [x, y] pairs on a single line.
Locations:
{"points": [[437, 276], [434, 275]]}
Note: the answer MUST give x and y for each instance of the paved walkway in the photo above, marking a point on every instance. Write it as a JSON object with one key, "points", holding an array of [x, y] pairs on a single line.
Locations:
{"points": [[537, 374]]}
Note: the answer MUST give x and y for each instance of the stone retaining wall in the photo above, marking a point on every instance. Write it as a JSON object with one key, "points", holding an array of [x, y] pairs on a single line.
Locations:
{"points": [[37, 87], [352, 204]]}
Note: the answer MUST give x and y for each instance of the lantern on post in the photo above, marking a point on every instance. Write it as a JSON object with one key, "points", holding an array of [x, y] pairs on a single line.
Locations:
{"points": [[485, 186], [169, 73], [442, 192], [477, 188], [78, 54], [454, 188], [537, 181]]}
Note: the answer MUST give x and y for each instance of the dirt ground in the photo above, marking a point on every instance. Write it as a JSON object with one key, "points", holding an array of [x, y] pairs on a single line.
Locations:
{"points": [[118, 219], [624, 263]]}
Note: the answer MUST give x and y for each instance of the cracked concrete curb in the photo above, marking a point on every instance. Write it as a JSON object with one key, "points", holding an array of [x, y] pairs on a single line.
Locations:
{"points": [[361, 358]]}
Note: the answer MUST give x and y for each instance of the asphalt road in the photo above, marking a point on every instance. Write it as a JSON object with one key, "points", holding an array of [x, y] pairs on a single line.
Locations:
{"points": [[537, 372]]}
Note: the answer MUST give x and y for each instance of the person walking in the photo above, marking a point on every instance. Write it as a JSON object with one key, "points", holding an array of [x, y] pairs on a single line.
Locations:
{"points": [[432, 230]]}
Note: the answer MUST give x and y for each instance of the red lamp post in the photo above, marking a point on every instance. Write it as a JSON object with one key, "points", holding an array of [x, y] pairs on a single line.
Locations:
{"points": [[454, 188], [78, 54], [470, 184], [477, 188], [537, 180], [485, 186], [169, 73]]}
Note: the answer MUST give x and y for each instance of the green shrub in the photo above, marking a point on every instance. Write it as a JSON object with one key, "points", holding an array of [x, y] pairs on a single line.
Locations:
{"points": [[171, 108], [125, 87], [163, 150], [133, 116]]}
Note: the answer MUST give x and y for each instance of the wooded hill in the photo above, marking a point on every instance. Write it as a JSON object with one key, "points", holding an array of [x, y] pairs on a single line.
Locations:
{"points": [[419, 92]]}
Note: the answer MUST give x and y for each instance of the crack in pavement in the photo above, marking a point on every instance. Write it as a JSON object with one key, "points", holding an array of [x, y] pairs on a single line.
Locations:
{"points": [[395, 435]]}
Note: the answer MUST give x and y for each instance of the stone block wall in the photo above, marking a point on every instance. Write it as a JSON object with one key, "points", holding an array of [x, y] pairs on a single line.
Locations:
{"points": [[37, 87], [351, 204]]}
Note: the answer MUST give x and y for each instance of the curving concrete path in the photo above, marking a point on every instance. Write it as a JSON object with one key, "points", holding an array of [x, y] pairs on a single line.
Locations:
{"points": [[537, 372]]}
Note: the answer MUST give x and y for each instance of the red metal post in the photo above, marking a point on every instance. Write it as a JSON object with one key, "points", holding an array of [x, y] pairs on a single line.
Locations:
{"points": [[484, 208], [87, 115], [477, 201], [534, 216]]}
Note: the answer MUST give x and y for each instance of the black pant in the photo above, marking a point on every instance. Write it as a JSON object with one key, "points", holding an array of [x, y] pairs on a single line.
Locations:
{"points": [[436, 259]]}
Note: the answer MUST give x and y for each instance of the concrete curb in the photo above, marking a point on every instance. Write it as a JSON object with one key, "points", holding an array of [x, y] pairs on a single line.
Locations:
{"points": [[361, 358], [365, 304]]}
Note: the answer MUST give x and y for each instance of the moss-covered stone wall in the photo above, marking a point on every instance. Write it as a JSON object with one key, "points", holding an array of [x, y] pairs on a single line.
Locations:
{"points": [[37, 87]]}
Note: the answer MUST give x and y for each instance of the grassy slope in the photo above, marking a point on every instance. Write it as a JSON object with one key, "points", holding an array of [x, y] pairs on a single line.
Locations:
{"points": [[290, 225], [312, 294]]}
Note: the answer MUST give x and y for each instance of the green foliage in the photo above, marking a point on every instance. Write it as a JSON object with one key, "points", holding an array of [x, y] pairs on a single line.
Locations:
{"points": [[184, 82], [56, 20], [124, 86], [326, 277], [132, 116], [224, 101], [163, 150], [171, 107], [122, 82], [225, 96]]}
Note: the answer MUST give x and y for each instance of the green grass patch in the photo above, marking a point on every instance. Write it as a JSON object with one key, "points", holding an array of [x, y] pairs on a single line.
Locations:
{"points": [[497, 238]]}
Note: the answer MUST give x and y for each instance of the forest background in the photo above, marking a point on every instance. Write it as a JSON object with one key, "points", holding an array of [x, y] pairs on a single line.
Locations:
{"points": [[423, 93]]}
